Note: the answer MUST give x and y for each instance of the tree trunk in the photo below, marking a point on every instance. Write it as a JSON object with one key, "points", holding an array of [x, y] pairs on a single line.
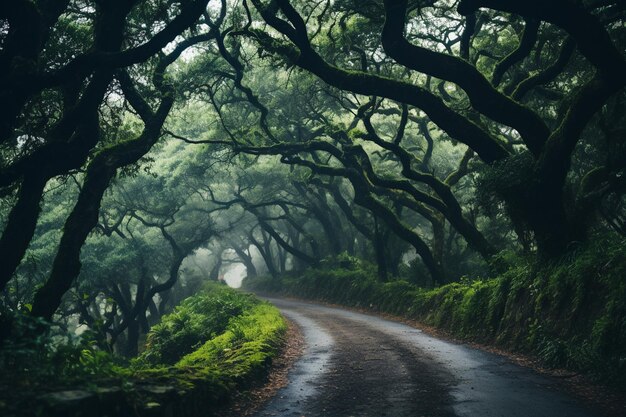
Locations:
{"points": [[20, 227], [215, 271], [66, 266], [379, 249]]}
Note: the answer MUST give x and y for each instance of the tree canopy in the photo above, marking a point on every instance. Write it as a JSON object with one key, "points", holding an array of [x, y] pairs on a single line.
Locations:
{"points": [[148, 145]]}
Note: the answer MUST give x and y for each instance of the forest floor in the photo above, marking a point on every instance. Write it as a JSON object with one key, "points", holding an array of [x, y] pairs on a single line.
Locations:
{"points": [[357, 364]]}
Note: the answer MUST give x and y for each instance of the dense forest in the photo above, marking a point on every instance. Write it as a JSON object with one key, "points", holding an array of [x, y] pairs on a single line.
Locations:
{"points": [[147, 147]]}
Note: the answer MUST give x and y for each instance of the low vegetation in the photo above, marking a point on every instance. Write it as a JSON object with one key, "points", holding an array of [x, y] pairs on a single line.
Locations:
{"points": [[570, 314], [217, 342]]}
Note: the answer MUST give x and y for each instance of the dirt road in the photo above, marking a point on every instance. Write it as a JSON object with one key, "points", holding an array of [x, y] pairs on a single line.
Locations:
{"points": [[361, 365]]}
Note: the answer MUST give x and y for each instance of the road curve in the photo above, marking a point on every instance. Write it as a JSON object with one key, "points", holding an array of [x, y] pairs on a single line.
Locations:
{"points": [[360, 365]]}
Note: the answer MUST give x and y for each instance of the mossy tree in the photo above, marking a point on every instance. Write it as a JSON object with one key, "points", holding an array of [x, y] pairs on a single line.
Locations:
{"points": [[495, 98]]}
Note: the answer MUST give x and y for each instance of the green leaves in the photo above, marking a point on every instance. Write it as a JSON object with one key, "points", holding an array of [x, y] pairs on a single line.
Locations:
{"points": [[195, 321]]}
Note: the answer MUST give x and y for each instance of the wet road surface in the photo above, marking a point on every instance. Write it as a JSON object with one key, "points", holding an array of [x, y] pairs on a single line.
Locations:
{"points": [[360, 365]]}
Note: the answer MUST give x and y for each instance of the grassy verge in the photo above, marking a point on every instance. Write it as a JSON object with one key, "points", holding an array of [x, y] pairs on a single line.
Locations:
{"points": [[196, 358], [570, 314]]}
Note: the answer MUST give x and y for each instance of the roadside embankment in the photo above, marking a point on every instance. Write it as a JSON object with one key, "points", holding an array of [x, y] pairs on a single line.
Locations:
{"points": [[211, 346]]}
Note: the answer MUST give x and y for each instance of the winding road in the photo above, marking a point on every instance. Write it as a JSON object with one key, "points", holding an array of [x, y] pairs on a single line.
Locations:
{"points": [[360, 365]]}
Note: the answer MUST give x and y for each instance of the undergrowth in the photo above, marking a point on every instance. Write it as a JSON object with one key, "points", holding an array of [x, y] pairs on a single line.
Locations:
{"points": [[196, 320], [38, 351], [213, 344], [223, 335]]}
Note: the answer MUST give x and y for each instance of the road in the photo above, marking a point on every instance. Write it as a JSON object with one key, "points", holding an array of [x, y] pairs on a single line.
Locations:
{"points": [[361, 365]]}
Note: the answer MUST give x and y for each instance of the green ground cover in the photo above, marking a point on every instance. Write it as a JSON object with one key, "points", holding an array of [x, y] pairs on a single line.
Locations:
{"points": [[212, 345]]}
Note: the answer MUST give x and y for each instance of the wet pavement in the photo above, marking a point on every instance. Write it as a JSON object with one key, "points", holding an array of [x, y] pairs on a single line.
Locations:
{"points": [[361, 365]]}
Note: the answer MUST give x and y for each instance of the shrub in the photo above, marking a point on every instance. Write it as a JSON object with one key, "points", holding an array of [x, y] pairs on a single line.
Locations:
{"points": [[197, 319], [37, 351]]}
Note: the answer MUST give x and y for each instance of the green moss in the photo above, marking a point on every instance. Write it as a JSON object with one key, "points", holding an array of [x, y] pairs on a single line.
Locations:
{"points": [[241, 337], [193, 322], [214, 344]]}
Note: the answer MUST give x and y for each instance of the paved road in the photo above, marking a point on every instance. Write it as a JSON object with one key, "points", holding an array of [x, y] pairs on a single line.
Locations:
{"points": [[360, 365]]}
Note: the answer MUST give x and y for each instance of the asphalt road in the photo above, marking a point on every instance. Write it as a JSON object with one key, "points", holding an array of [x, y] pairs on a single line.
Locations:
{"points": [[361, 365]]}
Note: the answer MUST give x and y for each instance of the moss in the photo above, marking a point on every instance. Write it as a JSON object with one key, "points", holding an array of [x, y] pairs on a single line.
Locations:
{"points": [[245, 335], [214, 344], [196, 320], [236, 354]]}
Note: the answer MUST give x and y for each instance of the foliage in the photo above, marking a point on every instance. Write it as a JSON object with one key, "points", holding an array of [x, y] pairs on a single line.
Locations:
{"points": [[195, 321], [244, 335], [35, 352], [231, 358], [344, 261]]}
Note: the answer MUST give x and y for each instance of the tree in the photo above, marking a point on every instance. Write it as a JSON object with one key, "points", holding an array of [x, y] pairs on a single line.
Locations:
{"points": [[35, 67], [539, 200]]}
